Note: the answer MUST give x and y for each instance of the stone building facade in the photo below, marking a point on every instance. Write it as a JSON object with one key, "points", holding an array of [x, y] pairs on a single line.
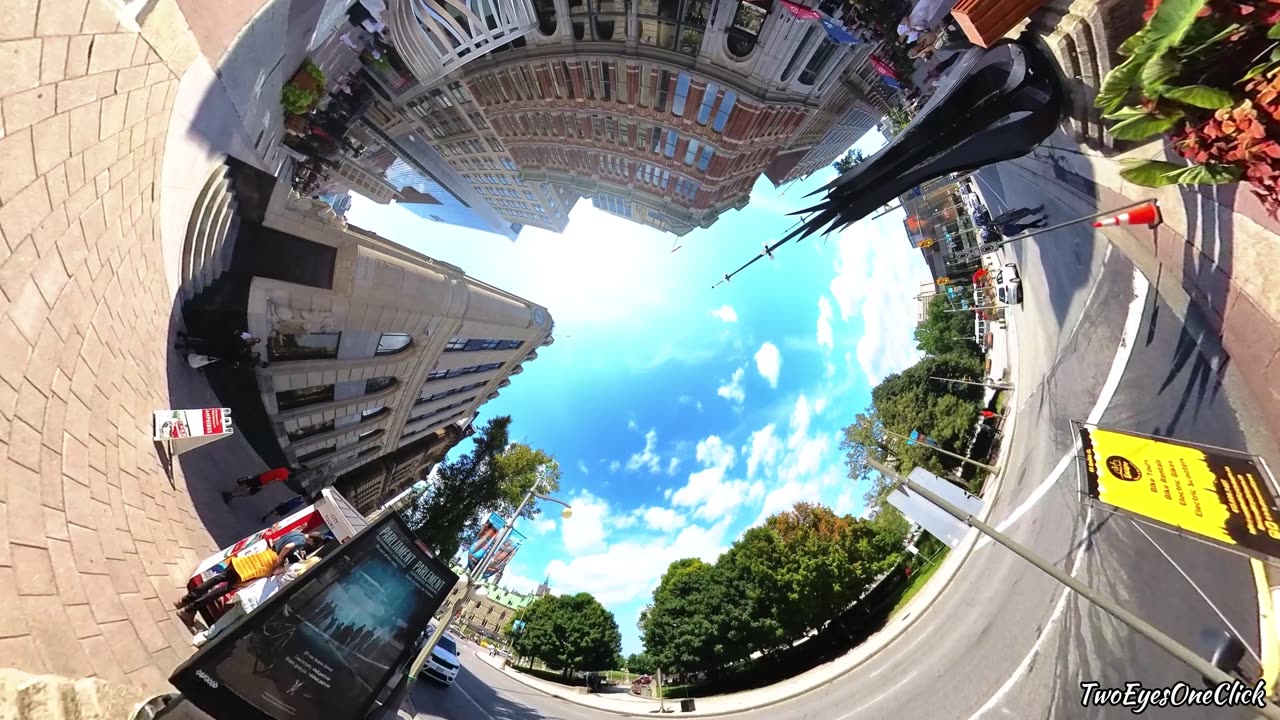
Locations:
{"points": [[371, 485], [372, 346]]}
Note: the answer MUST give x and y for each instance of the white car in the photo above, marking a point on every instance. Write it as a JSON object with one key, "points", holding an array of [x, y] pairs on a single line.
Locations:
{"points": [[1009, 285], [444, 663]]}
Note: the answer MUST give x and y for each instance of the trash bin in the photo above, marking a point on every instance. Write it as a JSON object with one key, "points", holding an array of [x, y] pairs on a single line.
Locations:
{"points": [[687, 705]]}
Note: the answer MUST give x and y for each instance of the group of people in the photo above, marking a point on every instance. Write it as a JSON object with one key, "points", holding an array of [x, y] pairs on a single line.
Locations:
{"points": [[235, 349], [1010, 223], [242, 569]]}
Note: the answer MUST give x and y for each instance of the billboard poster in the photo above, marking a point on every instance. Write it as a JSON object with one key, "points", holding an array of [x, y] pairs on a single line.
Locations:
{"points": [[187, 429], [1223, 496], [938, 522], [488, 534], [327, 643]]}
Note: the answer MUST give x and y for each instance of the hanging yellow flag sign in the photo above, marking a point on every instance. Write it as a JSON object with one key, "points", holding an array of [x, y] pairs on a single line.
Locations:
{"points": [[1220, 495]]}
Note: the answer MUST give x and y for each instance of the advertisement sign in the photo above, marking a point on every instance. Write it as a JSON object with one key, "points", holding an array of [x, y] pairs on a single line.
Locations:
{"points": [[187, 429], [937, 521], [327, 643], [1224, 496]]}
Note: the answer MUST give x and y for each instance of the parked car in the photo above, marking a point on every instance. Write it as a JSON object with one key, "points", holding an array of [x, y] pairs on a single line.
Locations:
{"points": [[443, 664], [1009, 285]]}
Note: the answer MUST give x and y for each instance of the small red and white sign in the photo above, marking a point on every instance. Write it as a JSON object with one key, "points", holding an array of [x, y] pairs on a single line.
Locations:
{"points": [[187, 429]]}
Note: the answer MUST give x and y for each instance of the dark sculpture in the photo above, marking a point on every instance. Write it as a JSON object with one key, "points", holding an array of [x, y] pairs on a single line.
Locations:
{"points": [[996, 104]]}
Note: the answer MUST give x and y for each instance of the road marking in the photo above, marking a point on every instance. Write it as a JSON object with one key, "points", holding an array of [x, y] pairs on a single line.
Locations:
{"points": [[1106, 255], [1128, 339], [472, 701], [1196, 587], [1030, 657], [878, 698], [1266, 623], [1127, 342]]}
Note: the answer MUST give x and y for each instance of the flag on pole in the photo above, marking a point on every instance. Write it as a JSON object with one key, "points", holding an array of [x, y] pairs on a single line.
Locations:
{"points": [[836, 31], [801, 11]]}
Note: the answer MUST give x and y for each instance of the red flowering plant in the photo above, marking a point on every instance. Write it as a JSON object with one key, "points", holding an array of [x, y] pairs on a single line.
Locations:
{"points": [[1207, 73]]}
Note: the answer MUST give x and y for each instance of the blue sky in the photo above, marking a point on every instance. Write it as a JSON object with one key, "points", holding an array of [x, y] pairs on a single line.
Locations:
{"points": [[683, 415]]}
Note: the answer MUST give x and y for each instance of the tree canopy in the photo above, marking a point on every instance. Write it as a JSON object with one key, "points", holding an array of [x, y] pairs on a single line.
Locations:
{"points": [[945, 333], [640, 663], [791, 575], [493, 477], [569, 632], [844, 164]]}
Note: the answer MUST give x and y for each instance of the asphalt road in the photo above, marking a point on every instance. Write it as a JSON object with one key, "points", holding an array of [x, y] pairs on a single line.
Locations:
{"points": [[1004, 640]]}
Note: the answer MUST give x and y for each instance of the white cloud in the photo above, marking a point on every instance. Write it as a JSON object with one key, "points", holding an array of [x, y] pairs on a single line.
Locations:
{"points": [[673, 466], [826, 338], [615, 466], [582, 468], [878, 276], [584, 531], [666, 494], [699, 406], [764, 449], [518, 583], [647, 457], [663, 519], [769, 362], [630, 570], [732, 391], [725, 313], [830, 371], [785, 497], [819, 405], [686, 400], [631, 425], [542, 526], [709, 491]]}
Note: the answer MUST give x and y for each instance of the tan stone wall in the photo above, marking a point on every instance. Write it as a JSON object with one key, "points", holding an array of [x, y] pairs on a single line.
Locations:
{"points": [[94, 538]]}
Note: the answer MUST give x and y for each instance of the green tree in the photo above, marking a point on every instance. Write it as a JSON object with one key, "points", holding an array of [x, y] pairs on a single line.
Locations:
{"points": [[945, 333], [570, 632], [640, 663], [845, 164], [696, 623], [493, 477]]}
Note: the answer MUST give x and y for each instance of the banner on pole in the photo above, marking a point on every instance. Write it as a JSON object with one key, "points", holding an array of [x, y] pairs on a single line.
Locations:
{"points": [[1224, 496], [484, 543], [932, 518]]}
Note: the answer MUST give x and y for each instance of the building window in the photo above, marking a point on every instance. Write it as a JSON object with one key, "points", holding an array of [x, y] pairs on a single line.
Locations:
{"points": [[447, 393], [722, 113], [292, 399], [747, 22], [316, 454], [457, 372], [369, 434], [691, 152], [705, 160], [475, 344], [682, 92], [664, 89], [817, 63], [369, 451], [374, 412], [708, 99], [671, 143], [378, 384], [310, 430], [282, 347], [393, 343]]}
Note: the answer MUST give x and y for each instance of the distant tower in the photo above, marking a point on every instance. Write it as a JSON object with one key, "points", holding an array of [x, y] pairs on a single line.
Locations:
{"points": [[543, 587]]}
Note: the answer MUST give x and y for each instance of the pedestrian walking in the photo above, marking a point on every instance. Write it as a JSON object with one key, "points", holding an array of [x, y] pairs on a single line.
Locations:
{"points": [[245, 568], [283, 509], [221, 345], [253, 484]]}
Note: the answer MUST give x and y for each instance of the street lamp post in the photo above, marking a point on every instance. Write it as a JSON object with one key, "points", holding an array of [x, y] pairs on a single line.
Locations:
{"points": [[391, 708]]}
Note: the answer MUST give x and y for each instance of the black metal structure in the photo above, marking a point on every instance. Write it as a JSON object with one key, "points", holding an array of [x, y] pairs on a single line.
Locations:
{"points": [[995, 104]]}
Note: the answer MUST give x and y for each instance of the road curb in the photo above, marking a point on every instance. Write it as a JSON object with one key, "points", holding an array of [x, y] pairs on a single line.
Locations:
{"points": [[968, 544]]}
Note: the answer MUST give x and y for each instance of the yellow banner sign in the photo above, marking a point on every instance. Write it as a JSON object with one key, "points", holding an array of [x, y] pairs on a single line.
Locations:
{"points": [[1219, 495]]}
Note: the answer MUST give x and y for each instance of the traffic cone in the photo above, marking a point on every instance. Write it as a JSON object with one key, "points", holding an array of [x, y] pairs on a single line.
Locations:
{"points": [[1146, 214]]}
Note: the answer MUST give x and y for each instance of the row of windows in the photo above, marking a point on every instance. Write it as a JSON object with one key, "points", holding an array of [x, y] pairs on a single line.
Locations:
{"points": [[414, 433], [468, 147], [446, 393], [600, 80], [625, 133], [327, 426], [458, 372], [479, 344], [283, 347], [439, 411], [287, 400], [331, 449]]}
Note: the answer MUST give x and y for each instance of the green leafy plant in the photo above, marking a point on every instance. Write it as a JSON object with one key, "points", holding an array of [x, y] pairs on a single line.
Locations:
{"points": [[309, 67], [296, 100], [1183, 77]]}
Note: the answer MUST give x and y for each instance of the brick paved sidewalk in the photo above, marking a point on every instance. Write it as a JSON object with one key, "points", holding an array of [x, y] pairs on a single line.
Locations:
{"points": [[95, 539]]}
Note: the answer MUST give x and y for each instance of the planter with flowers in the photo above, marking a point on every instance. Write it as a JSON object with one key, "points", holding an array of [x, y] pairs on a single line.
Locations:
{"points": [[1206, 73], [304, 90]]}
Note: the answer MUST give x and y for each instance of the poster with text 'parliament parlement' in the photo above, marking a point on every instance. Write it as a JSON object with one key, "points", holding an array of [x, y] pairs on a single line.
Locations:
{"points": [[326, 644], [1223, 496]]}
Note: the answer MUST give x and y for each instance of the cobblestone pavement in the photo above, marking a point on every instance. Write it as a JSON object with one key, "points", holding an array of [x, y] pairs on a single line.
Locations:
{"points": [[95, 538]]}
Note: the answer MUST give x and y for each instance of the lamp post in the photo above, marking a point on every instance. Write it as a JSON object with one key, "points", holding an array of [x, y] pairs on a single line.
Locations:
{"points": [[391, 708]]}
